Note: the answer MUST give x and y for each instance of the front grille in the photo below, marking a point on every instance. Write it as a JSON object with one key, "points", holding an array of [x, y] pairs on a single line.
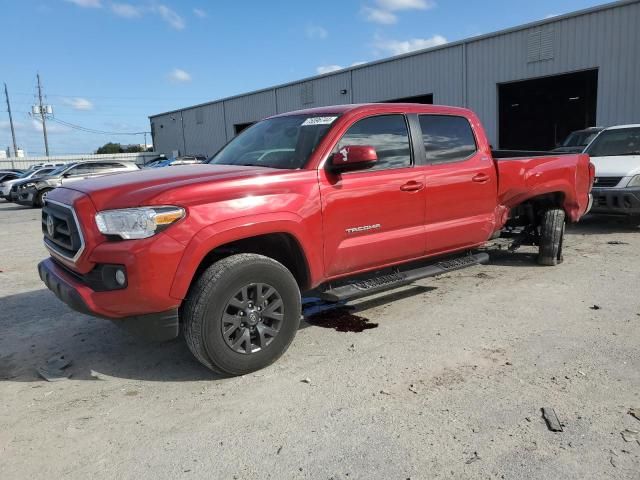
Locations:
{"points": [[61, 232], [606, 181]]}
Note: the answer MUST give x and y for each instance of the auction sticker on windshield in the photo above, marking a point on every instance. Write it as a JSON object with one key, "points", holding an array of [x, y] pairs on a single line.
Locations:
{"points": [[318, 121]]}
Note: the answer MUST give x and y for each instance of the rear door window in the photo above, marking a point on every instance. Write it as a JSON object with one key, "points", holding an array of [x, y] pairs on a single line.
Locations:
{"points": [[447, 138], [82, 169]]}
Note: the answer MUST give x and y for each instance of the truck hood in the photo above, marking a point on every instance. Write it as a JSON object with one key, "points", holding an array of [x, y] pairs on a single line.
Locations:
{"points": [[165, 185], [618, 166]]}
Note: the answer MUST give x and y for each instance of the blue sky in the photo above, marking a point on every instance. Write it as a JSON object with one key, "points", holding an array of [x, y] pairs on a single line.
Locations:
{"points": [[107, 65]]}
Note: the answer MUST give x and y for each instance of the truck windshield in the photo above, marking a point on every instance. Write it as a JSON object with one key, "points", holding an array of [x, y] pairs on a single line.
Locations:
{"points": [[619, 141], [280, 142]]}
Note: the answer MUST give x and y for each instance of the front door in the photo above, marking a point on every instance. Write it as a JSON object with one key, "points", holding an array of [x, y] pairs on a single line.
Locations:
{"points": [[374, 217]]}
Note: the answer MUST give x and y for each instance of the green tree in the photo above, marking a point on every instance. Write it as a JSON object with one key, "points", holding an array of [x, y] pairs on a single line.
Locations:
{"points": [[133, 149], [110, 148]]}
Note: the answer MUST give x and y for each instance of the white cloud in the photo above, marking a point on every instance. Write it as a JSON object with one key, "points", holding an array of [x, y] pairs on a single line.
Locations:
{"points": [[172, 18], [126, 10], [376, 15], [395, 5], [322, 69], [398, 47], [383, 11], [79, 103], [198, 12], [87, 3], [178, 75], [316, 32]]}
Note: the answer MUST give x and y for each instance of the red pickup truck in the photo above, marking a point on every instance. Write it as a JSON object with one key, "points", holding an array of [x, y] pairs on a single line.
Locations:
{"points": [[347, 200]]}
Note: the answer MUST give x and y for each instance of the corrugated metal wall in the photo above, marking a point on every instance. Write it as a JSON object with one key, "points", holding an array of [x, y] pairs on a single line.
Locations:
{"points": [[463, 74], [438, 72], [608, 40], [167, 133], [204, 131]]}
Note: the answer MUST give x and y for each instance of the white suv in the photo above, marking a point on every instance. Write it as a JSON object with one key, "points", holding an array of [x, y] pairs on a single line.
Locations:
{"points": [[615, 152]]}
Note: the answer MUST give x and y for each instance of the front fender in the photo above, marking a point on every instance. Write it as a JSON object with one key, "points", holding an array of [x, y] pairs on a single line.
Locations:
{"points": [[221, 233]]}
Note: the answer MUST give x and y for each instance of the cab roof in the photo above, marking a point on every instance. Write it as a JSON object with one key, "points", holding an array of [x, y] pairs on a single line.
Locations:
{"points": [[377, 108], [631, 125]]}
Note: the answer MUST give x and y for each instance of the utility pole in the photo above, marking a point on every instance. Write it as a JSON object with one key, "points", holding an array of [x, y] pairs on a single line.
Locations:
{"points": [[13, 132], [43, 117]]}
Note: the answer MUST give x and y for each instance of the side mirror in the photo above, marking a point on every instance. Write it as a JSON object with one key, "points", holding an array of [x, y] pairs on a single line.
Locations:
{"points": [[353, 157]]}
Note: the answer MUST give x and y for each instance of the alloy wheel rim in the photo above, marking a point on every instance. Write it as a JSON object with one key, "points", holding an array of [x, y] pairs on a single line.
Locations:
{"points": [[252, 318]]}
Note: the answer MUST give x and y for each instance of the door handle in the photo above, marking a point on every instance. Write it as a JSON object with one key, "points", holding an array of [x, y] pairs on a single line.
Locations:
{"points": [[412, 186], [481, 178]]}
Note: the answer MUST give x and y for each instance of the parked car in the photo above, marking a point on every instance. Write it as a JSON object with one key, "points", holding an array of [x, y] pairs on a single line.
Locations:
{"points": [[615, 152], [347, 200], [5, 186], [34, 191], [10, 174], [577, 141], [186, 160], [46, 165]]}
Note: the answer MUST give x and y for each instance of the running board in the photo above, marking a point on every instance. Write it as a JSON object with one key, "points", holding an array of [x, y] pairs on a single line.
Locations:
{"points": [[380, 283]]}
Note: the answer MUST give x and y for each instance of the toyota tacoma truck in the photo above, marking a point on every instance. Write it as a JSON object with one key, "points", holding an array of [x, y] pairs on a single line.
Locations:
{"points": [[347, 201]]}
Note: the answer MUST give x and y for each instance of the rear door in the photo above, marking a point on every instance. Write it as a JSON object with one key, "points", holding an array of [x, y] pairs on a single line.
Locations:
{"points": [[374, 217], [461, 184]]}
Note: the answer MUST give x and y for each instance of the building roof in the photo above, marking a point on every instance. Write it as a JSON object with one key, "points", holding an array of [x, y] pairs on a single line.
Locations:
{"points": [[525, 26]]}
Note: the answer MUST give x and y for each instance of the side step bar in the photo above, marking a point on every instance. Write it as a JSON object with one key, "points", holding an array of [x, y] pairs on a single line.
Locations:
{"points": [[380, 283]]}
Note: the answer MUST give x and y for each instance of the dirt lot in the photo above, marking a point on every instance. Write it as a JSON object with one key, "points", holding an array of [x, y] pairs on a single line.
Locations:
{"points": [[449, 385]]}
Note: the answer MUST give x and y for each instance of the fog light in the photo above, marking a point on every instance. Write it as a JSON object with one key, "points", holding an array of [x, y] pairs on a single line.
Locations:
{"points": [[121, 279]]}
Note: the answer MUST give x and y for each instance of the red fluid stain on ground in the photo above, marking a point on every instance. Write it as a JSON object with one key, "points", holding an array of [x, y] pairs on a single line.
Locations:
{"points": [[340, 319]]}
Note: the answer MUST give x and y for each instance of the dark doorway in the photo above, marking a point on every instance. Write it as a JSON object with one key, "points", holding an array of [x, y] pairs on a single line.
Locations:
{"points": [[426, 99], [538, 114], [238, 127]]}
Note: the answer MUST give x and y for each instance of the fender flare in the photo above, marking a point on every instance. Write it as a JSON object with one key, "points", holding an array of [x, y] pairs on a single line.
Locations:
{"points": [[221, 233]]}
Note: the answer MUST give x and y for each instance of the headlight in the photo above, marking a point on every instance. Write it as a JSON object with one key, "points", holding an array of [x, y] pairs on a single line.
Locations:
{"points": [[28, 185], [634, 182], [132, 223]]}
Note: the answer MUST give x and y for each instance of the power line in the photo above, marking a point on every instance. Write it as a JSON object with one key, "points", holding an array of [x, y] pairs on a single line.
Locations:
{"points": [[93, 130]]}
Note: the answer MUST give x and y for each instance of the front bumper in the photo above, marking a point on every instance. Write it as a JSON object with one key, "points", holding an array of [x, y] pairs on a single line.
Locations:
{"points": [[159, 326], [624, 201]]}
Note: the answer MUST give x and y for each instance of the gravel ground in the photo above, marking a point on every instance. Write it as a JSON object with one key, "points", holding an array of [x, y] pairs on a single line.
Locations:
{"points": [[449, 385]]}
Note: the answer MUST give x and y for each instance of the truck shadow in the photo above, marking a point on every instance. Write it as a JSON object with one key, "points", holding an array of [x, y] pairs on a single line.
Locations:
{"points": [[604, 224], [35, 326]]}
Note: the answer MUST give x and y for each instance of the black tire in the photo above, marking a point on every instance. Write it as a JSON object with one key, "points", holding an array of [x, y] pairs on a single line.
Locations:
{"points": [[40, 197], [551, 237], [210, 298]]}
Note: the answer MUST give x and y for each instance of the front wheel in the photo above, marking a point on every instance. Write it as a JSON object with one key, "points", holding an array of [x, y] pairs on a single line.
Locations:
{"points": [[551, 237], [241, 314], [41, 197]]}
